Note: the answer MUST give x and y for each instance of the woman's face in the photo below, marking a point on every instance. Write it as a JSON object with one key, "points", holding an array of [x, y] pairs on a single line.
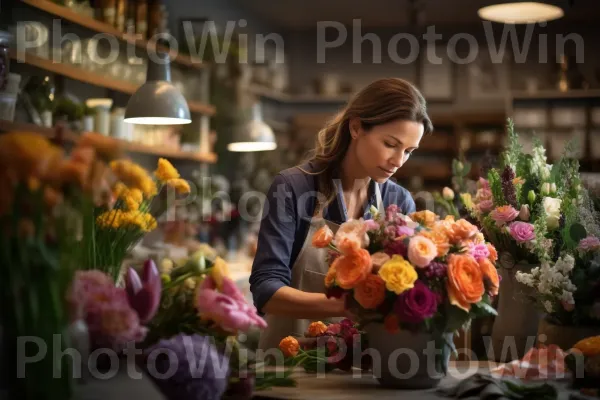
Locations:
{"points": [[385, 148]]}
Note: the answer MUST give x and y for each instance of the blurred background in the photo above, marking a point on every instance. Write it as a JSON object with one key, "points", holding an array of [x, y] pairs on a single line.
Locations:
{"points": [[270, 73]]}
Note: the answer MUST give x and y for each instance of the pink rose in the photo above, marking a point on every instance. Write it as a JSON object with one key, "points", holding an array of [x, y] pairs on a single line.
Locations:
{"points": [[479, 251], [504, 214], [421, 251], [378, 259], [590, 243], [485, 206], [483, 194], [522, 231], [351, 236], [483, 183]]}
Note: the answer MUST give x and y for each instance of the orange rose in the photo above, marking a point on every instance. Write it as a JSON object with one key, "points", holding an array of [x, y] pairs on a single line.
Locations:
{"points": [[352, 268], [493, 252], [351, 236], [444, 226], [465, 281], [289, 346], [391, 323], [425, 218], [440, 239], [490, 273], [421, 251], [371, 292], [330, 277], [322, 237], [315, 329], [464, 230]]}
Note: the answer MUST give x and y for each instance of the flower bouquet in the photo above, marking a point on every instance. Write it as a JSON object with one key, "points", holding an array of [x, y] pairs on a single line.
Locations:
{"points": [[534, 213], [326, 347], [412, 281]]}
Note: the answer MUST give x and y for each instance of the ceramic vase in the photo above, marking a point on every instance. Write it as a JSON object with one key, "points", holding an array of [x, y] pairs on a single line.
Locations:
{"points": [[563, 336], [516, 325], [404, 360]]}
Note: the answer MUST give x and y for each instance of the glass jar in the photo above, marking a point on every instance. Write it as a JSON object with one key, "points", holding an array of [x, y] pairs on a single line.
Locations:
{"points": [[5, 39]]}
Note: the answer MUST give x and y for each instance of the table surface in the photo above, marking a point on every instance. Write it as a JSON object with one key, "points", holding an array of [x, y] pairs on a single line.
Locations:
{"points": [[340, 385], [336, 385]]}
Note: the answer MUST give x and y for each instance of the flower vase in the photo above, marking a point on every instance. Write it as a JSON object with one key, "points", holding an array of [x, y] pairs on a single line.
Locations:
{"points": [[515, 327], [405, 360], [563, 336]]}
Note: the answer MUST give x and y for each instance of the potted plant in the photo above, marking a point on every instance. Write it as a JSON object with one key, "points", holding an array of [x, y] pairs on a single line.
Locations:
{"points": [[412, 281]]}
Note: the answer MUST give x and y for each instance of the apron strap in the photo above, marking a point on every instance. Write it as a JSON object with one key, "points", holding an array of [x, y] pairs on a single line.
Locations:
{"points": [[379, 200]]}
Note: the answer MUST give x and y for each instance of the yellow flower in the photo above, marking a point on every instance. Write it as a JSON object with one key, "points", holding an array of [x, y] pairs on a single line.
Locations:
{"points": [[134, 176], [165, 170], [180, 185], [218, 271], [398, 274], [425, 218], [467, 200]]}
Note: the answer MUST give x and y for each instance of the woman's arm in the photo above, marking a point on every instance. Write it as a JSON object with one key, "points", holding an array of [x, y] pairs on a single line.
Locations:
{"points": [[295, 303], [271, 275]]}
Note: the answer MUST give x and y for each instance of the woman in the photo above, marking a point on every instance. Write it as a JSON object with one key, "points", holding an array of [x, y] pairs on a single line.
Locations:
{"points": [[355, 156]]}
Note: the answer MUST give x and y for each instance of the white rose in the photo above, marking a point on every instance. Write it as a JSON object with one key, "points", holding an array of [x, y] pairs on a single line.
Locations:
{"points": [[552, 209]]}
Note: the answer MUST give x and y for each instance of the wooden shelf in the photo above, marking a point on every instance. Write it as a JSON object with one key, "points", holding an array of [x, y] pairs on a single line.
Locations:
{"points": [[73, 72], [290, 98], [556, 95], [99, 26], [71, 137]]}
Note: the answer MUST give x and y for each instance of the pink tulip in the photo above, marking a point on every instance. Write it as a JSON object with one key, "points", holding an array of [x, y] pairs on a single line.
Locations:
{"points": [[144, 293]]}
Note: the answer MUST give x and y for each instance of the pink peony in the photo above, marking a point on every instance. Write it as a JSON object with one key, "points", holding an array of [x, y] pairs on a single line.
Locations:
{"points": [[114, 325], [589, 243], [522, 231], [421, 251], [483, 183], [504, 214], [351, 236], [485, 206], [479, 251]]}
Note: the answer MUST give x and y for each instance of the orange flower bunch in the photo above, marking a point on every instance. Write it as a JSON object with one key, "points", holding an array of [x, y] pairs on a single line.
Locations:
{"points": [[411, 270]]}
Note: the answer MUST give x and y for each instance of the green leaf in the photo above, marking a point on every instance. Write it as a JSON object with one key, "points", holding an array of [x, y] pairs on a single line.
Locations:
{"points": [[483, 309], [456, 318], [577, 232]]}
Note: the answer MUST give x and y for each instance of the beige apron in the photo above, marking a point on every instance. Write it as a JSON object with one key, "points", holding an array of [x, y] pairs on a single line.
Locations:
{"points": [[308, 275]]}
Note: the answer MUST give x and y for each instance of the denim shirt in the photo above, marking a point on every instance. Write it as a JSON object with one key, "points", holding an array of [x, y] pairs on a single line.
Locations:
{"points": [[288, 210]]}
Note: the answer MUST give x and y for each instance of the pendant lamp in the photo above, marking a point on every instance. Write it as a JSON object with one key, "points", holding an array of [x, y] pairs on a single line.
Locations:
{"points": [[525, 12], [158, 102], [255, 135]]}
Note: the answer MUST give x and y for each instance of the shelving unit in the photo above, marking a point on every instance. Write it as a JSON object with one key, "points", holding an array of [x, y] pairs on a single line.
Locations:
{"points": [[101, 27], [557, 117], [72, 137], [267, 93], [72, 72]]}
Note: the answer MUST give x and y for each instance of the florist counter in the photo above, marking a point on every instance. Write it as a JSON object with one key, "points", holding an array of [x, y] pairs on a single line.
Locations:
{"points": [[336, 385]]}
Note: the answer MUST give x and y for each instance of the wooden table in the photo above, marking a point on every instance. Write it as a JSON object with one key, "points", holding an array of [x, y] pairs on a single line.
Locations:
{"points": [[339, 385]]}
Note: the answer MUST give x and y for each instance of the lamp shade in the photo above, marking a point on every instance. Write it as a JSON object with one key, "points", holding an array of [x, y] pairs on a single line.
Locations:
{"points": [[255, 135], [525, 12], [158, 102]]}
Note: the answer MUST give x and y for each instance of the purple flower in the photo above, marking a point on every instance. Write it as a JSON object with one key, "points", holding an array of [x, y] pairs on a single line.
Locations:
{"points": [[436, 270], [416, 304], [522, 231], [589, 243], [391, 212], [144, 293], [404, 230], [396, 247], [479, 251], [188, 367]]}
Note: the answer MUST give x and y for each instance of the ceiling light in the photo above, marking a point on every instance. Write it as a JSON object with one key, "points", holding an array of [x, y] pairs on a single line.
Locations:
{"points": [[527, 12], [254, 135], [158, 101]]}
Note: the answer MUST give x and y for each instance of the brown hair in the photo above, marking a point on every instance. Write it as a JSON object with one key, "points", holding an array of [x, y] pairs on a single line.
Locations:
{"points": [[382, 101]]}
